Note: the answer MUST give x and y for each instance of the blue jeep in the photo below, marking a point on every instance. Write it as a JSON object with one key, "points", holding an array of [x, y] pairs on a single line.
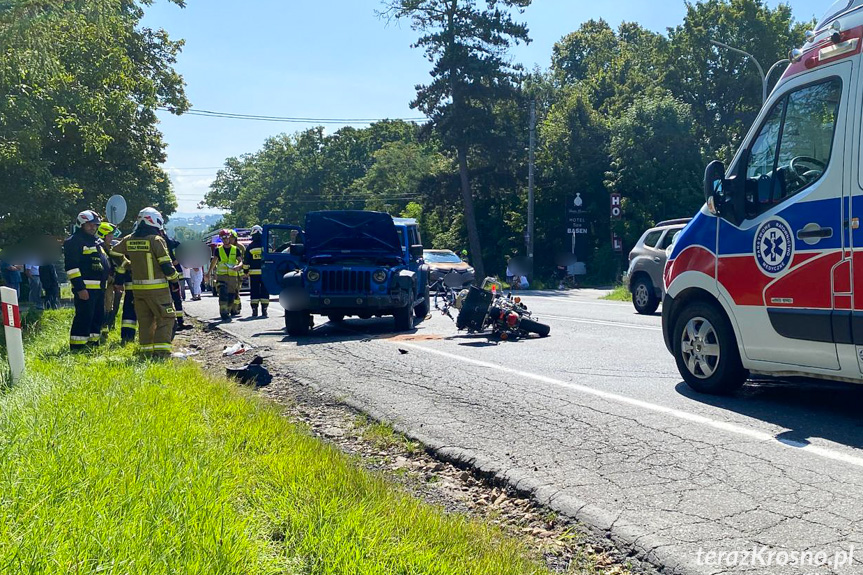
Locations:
{"points": [[347, 263]]}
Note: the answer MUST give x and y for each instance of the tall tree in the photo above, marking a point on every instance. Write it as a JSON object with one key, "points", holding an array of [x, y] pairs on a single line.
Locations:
{"points": [[467, 42], [656, 164], [723, 87]]}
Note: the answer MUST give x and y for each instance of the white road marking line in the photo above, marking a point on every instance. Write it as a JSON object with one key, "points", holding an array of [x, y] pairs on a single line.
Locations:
{"points": [[824, 452], [600, 322]]}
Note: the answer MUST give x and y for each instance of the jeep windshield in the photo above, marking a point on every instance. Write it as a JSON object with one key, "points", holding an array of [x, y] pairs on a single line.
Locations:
{"points": [[351, 233]]}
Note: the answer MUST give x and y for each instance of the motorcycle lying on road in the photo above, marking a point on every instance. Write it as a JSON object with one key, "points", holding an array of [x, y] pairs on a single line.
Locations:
{"points": [[487, 308]]}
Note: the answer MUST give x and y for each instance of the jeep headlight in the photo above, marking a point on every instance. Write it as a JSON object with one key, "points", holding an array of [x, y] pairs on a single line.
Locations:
{"points": [[380, 276], [313, 275]]}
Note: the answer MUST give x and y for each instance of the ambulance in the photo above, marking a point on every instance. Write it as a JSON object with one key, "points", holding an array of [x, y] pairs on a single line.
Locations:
{"points": [[767, 279]]}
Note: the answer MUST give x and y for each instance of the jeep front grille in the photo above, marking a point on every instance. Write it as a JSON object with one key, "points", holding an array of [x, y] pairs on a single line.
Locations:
{"points": [[346, 281]]}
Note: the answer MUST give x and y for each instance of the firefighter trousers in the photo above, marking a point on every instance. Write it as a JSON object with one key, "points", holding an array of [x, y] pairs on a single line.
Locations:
{"points": [[178, 303], [130, 319], [229, 295], [155, 312], [87, 322], [258, 293]]}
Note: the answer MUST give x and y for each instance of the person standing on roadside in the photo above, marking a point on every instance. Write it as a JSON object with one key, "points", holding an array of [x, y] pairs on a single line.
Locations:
{"points": [[175, 286], [31, 271], [227, 261], [252, 262], [11, 276], [152, 275], [87, 268], [51, 285]]}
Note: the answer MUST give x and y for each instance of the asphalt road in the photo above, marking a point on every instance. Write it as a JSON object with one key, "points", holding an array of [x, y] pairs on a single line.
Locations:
{"points": [[595, 420]]}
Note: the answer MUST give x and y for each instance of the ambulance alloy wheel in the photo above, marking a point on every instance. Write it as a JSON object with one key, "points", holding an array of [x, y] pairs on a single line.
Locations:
{"points": [[706, 350], [644, 296]]}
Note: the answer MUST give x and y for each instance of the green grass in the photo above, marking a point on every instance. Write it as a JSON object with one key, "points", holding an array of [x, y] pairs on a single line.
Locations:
{"points": [[619, 293], [383, 436], [110, 463]]}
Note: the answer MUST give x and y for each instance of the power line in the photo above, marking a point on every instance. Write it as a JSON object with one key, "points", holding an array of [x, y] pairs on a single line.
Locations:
{"points": [[288, 119]]}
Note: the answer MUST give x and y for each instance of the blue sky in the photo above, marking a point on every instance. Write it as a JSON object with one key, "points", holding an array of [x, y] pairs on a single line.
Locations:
{"points": [[328, 59]]}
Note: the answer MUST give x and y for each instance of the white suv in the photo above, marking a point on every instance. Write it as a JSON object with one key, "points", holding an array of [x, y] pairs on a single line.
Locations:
{"points": [[647, 262]]}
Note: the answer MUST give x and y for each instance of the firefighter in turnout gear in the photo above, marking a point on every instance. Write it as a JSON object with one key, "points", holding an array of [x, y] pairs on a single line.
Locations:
{"points": [[114, 285], [152, 273], [252, 267], [175, 287], [228, 261], [87, 269]]}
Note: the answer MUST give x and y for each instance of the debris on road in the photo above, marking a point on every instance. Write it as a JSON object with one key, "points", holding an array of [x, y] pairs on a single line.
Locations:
{"points": [[252, 374], [235, 349]]}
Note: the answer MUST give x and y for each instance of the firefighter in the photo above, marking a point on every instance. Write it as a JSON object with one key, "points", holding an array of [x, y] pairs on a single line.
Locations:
{"points": [[252, 261], [123, 277], [87, 269], [152, 273], [228, 261], [113, 287], [175, 287]]}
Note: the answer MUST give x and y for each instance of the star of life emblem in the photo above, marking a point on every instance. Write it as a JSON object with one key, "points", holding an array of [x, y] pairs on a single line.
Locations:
{"points": [[774, 247]]}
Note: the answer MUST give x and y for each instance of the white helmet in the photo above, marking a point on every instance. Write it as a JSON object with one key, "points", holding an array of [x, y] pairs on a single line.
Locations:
{"points": [[88, 216], [151, 217], [257, 230]]}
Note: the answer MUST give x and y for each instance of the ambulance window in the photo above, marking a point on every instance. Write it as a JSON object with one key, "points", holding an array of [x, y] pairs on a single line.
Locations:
{"points": [[651, 238], [792, 150], [807, 134]]}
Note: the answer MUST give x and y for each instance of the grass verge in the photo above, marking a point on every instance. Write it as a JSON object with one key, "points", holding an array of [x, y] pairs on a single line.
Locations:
{"points": [[619, 293], [110, 463]]}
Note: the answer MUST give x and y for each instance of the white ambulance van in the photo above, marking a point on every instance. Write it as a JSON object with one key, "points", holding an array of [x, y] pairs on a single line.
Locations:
{"points": [[767, 279]]}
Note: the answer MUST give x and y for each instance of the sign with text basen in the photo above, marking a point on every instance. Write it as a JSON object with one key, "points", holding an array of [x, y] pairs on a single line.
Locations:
{"points": [[577, 217]]}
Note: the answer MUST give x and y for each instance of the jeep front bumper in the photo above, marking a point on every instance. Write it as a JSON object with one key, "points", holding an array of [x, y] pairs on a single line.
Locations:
{"points": [[342, 303]]}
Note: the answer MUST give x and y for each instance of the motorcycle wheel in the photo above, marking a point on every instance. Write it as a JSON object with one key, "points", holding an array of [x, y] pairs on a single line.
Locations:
{"points": [[531, 326]]}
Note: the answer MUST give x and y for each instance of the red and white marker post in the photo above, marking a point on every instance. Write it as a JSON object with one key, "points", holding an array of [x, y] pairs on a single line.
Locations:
{"points": [[12, 327]]}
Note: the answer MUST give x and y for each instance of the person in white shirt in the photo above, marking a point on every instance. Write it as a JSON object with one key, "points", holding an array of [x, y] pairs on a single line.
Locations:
{"points": [[194, 279]]}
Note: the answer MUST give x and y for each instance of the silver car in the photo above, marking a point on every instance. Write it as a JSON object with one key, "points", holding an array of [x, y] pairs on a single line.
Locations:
{"points": [[647, 263]]}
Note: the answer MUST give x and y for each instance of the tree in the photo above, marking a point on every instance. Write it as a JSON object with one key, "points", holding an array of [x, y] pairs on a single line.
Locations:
{"points": [[467, 45], [656, 164], [612, 67], [81, 84], [724, 88]]}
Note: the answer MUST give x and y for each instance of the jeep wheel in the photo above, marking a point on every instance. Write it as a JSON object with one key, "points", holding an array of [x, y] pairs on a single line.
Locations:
{"points": [[297, 323], [644, 296], [423, 308], [404, 317], [705, 350]]}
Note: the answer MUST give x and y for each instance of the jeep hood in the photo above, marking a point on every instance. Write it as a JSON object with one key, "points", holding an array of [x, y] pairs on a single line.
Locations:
{"points": [[351, 232]]}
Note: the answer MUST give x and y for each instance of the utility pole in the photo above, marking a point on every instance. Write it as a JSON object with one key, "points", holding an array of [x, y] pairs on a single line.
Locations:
{"points": [[530, 226]]}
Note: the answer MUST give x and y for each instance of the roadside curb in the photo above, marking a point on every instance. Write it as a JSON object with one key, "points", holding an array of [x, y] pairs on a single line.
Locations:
{"points": [[626, 542]]}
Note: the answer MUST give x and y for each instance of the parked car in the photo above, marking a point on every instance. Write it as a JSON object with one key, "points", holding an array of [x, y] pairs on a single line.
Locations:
{"points": [[442, 262], [647, 262]]}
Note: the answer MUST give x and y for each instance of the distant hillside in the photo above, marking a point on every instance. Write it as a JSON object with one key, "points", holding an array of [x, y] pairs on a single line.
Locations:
{"points": [[191, 226]]}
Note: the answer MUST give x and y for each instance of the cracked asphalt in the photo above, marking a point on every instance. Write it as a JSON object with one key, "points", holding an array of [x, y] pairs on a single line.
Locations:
{"points": [[596, 422]]}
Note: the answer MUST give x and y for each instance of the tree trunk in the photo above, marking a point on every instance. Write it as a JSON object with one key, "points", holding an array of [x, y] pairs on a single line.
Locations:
{"points": [[470, 216]]}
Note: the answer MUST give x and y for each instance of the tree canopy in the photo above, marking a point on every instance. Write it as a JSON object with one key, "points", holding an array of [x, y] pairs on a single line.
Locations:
{"points": [[622, 109], [81, 83]]}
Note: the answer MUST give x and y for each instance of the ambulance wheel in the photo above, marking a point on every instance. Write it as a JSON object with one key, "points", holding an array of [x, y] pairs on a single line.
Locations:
{"points": [[706, 350], [297, 323], [644, 296]]}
